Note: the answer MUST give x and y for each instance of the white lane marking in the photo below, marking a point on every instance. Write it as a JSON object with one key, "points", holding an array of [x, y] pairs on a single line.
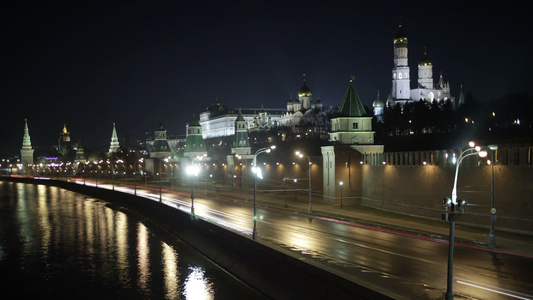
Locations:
{"points": [[497, 290]]}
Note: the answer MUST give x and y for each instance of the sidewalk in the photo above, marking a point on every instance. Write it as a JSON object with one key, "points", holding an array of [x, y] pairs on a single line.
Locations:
{"points": [[506, 242]]}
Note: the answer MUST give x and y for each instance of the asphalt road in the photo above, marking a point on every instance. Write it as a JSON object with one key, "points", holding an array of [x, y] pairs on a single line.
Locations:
{"points": [[407, 266]]}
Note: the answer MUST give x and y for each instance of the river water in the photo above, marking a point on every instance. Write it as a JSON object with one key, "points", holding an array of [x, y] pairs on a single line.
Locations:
{"points": [[61, 244]]}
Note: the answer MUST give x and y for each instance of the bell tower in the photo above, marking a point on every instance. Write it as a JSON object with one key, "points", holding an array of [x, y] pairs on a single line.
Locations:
{"points": [[400, 71]]}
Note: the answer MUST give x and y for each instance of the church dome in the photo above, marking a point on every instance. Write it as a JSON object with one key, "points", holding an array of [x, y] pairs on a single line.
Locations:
{"points": [[217, 108], [425, 61], [378, 103], [304, 90], [400, 34]]}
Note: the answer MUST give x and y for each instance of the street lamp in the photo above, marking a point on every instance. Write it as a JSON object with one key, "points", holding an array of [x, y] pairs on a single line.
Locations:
{"points": [[193, 171], [456, 208], [492, 236], [160, 185], [341, 183], [257, 173], [309, 208], [135, 170]]}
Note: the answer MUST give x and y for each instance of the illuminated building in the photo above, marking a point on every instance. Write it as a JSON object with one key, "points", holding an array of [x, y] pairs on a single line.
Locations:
{"points": [[26, 153], [426, 89], [242, 144], [195, 141], [352, 136], [114, 146], [160, 147], [64, 146], [304, 111], [219, 121]]}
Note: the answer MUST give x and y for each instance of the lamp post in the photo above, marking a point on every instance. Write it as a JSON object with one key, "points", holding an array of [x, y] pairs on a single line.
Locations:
{"points": [[112, 175], [257, 173], [135, 170], [492, 236], [341, 183], [160, 186], [309, 208], [456, 209], [193, 171], [285, 192]]}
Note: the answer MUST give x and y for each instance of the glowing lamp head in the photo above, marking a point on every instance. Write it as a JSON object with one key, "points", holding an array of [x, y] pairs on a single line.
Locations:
{"points": [[193, 170], [482, 153], [471, 144]]}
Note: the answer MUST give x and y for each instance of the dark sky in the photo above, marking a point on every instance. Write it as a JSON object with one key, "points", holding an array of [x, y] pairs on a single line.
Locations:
{"points": [[89, 63]]}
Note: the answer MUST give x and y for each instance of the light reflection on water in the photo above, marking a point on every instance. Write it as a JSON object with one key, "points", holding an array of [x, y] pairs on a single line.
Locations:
{"points": [[170, 271], [197, 286], [59, 243], [143, 252]]}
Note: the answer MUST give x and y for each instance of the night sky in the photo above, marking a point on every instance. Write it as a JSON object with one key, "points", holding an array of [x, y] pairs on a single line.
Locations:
{"points": [[89, 63]]}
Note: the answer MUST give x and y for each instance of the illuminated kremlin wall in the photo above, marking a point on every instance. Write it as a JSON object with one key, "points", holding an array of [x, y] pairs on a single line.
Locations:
{"points": [[414, 183]]}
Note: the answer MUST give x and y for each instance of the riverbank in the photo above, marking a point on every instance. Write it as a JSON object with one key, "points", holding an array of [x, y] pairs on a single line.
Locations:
{"points": [[276, 273]]}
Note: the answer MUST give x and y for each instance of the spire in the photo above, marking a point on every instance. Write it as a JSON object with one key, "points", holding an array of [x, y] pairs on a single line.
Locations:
{"points": [[26, 141], [304, 91], [239, 116], [195, 141], [160, 147], [425, 61], [441, 82], [194, 121], [242, 146], [400, 34], [461, 98], [351, 105], [26, 153], [114, 136], [378, 103], [114, 140]]}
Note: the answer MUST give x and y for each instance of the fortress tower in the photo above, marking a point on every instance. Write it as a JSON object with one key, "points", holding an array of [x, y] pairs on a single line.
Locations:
{"points": [[26, 153]]}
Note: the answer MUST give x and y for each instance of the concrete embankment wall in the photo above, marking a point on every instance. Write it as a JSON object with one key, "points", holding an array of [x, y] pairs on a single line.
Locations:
{"points": [[277, 274]]}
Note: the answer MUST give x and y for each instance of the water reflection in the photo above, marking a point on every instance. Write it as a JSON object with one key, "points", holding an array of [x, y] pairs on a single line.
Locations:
{"points": [[197, 286], [121, 235], [43, 219], [170, 271], [143, 252], [62, 244]]}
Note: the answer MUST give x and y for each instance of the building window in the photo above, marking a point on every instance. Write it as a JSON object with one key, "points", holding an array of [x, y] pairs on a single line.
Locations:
{"points": [[355, 125]]}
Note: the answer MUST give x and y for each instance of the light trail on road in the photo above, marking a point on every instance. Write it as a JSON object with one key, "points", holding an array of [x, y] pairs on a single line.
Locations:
{"points": [[409, 264]]}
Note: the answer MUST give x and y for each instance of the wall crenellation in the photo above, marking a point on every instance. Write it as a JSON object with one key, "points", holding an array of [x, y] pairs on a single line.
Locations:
{"points": [[512, 156]]}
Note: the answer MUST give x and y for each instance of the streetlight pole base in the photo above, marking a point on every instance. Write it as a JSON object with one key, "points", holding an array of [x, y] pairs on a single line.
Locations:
{"points": [[492, 239], [449, 296]]}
